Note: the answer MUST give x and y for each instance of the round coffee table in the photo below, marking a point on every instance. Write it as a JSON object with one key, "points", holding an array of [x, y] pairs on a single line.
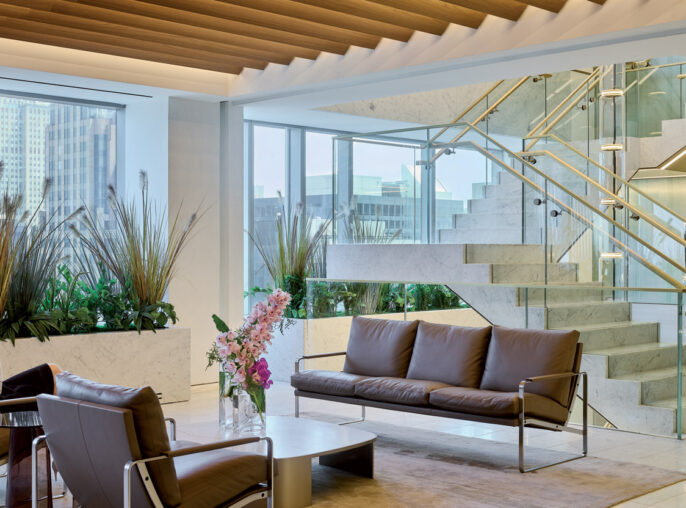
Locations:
{"points": [[298, 440], [24, 427]]}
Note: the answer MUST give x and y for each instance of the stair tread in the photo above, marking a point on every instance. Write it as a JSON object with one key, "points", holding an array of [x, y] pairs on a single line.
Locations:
{"points": [[650, 375], [602, 326], [667, 403], [634, 348]]}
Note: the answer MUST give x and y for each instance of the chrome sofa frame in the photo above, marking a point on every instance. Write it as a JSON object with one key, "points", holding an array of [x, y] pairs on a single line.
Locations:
{"points": [[522, 422], [264, 492]]}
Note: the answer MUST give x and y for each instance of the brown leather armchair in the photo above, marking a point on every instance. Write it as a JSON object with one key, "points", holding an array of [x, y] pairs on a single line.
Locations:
{"points": [[111, 446]]}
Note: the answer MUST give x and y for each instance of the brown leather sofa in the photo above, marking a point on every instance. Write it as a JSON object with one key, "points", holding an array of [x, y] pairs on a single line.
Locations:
{"points": [[111, 446], [514, 377]]}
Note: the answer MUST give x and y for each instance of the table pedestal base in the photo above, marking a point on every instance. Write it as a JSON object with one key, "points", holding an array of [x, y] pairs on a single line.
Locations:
{"points": [[293, 476]]}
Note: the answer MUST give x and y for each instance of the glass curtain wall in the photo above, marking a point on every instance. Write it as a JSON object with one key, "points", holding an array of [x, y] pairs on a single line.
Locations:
{"points": [[72, 144]]}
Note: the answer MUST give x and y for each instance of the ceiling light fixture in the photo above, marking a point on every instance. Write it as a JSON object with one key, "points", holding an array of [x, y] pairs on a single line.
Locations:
{"points": [[612, 147], [611, 255], [612, 92]]}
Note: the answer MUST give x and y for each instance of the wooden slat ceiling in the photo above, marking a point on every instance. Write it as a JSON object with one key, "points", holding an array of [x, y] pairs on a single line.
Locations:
{"points": [[230, 35]]}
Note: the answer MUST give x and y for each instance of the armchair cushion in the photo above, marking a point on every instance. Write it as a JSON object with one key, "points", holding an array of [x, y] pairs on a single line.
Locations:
{"points": [[324, 381], [450, 354], [498, 404], [215, 477], [148, 420], [516, 354], [379, 347], [398, 390]]}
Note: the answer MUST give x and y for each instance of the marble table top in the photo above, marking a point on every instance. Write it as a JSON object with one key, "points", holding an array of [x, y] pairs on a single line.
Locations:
{"points": [[297, 437]]}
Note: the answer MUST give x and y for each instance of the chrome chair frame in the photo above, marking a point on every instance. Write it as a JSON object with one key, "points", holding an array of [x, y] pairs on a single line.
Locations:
{"points": [[525, 421], [265, 493], [297, 399]]}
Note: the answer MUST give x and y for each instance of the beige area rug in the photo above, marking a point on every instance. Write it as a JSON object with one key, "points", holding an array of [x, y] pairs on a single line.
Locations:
{"points": [[419, 468]]}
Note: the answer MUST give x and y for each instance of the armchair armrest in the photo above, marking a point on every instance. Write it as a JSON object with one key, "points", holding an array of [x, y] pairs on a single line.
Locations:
{"points": [[189, 450], [18, 402], [172, 427], [132, 464], [313, 357]]}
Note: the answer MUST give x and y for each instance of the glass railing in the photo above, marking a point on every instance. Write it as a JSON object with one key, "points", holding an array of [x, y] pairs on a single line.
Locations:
{"points": [[654, 93], [629, 348], [556, 207]]}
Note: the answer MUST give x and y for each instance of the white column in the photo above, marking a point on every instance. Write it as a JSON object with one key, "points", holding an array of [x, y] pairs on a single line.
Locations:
{"points": [[232, 196]]}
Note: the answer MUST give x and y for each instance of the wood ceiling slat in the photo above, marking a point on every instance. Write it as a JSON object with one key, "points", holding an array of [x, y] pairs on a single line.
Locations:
{"points": [[98, 47], [383, 13], [438, 10], [139, 35], [167, 27], [325, 16], [508, 9], [217, 22], [548, 5], [85, 36]]}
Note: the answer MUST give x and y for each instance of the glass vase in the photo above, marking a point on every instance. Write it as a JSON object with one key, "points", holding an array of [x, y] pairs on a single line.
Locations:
{"points": [[227, 400], [250, 414]]}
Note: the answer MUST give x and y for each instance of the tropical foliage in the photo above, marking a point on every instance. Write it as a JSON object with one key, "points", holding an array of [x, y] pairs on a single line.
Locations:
{"points": [[120, 277], [293, 253]]}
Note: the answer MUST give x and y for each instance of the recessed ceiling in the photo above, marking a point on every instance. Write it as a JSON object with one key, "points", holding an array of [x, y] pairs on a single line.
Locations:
{"points": [[230, 35]]}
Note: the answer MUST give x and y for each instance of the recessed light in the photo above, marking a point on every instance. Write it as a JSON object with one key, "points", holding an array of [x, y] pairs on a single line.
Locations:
{"points": [[611, 255]]}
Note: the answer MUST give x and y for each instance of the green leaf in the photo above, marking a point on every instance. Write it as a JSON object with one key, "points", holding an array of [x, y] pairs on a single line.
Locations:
{"points": [[222, 327]]}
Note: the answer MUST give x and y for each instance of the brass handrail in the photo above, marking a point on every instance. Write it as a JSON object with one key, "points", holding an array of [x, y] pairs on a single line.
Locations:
{"points": [[481, 116], [618, 198], [561, 104], [628, 184], [571, 105], [662, 274], [578, 198], [469, 108]]}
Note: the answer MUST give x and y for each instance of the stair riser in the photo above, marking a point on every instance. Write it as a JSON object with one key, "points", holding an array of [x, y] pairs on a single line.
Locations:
{"points": [[553, 296], [507, 205], [658, 389], [503, 191], [625, 364], [507, 236], [492, 219], [503, 254], [614, 337], [568, 317], [534, 274]]}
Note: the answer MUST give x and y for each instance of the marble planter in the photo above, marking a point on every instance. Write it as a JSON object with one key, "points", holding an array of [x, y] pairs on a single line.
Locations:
{"points": [[159, 359]]}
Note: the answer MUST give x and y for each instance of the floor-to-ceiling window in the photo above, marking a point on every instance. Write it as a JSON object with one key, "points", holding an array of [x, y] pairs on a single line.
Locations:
{"points": [[71, 144]]}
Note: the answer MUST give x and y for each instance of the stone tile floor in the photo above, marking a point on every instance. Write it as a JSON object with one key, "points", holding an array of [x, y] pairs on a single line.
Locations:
{"points": [[611, 444], [605, 443]]}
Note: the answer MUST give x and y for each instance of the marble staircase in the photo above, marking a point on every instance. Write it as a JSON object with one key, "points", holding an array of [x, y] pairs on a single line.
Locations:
{"points": [[632, 376]]}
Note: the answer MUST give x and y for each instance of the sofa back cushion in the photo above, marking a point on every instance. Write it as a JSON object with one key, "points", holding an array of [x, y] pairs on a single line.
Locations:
{"points": [[454, 355], [148, 420], [380, 347], [516, 354]]}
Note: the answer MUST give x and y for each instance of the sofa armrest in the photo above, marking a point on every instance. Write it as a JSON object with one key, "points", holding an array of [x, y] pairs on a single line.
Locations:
{"points": [[550, 376], [312, 357]]}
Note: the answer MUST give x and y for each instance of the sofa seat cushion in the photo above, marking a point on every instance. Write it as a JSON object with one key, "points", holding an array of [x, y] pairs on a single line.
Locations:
{"points": [[497, 404], [517, 354], [413, 392], [212, 478], [324, 381], [450, 354], [379, 347]]}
